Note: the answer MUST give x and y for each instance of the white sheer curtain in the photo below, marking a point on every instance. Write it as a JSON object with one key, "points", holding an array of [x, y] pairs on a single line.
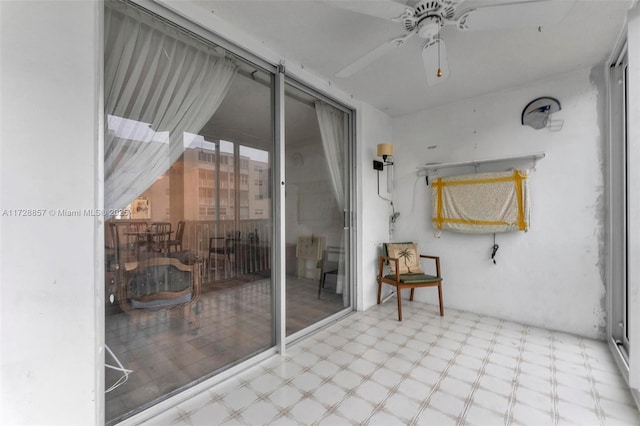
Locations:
{"points": [[159, 84], [333, 131]]}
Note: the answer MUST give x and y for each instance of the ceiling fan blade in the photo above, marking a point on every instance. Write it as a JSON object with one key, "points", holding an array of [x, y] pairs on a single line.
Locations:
{"points": [[528, 14], [372, 56], [385, 9], [434, 56]]}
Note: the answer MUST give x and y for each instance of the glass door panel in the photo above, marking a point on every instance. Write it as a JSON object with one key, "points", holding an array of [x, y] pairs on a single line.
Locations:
{"points": [[188, 262], [317, 182]]}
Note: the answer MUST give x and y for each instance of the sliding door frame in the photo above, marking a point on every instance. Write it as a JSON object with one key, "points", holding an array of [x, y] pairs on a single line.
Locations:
{"points": [[278, 265], [279, 238], [617, 301], [623, 277]]}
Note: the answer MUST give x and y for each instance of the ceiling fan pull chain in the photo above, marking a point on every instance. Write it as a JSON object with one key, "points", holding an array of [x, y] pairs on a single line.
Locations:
{"points": [[439, 72]]}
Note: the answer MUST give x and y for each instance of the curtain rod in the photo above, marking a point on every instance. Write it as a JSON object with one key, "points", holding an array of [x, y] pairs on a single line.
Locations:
{"points": [[437, 166]]}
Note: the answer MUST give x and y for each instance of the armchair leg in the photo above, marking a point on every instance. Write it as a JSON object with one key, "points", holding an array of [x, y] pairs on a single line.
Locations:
{"points": [[399, 297], [379, 291], [440, 299], [321, 284]]}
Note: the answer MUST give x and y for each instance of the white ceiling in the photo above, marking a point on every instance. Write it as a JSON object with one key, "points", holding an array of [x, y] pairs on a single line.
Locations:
{"points": [[324, 38]]}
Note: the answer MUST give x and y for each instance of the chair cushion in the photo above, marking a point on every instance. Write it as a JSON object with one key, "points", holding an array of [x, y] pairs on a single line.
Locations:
{"points": [[414, 278], [409, 258]]}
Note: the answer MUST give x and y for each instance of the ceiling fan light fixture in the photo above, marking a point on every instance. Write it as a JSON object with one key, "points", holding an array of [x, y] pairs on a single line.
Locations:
{"points": [[428, 27]]}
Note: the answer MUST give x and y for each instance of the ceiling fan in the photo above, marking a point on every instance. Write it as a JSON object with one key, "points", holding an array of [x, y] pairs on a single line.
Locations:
{"points": [[426, 18]]}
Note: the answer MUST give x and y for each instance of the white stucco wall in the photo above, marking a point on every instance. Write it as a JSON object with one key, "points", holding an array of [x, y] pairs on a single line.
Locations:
{"points": [[373, 228], [49, 100], [551, 276]]}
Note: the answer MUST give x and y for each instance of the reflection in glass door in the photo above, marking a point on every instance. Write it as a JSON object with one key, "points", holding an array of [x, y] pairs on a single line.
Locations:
{"points": [[317, 182], [188, 153]]}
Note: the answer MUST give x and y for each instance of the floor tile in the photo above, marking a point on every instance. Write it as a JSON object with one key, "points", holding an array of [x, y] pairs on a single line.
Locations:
{"points": [[212, 411], [240, 398], [525, 414], [307, 411], [432, 416], [373, 392], [423, 376], [355, 409], [329, 394], [285, 395], [403, 407], [490, 400], [481, 416], [384, 419]]}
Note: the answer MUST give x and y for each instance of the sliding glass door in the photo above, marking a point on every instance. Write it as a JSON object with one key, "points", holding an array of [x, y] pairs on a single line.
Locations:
{"points": [[188, 158], [190, 143], [317, 141]]}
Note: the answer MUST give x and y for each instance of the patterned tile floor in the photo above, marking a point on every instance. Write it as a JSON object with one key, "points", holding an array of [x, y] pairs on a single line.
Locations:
{"points": [[235, 323], [461, 369]]}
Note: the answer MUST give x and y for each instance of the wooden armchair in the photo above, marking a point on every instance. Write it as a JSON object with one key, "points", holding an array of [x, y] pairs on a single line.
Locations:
{"points": [[176, 243], [406, 271], [329, 264], [160, 283]]}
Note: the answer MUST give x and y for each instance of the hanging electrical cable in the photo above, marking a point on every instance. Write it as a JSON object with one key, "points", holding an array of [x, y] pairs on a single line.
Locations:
{"points": [[494, 249]]}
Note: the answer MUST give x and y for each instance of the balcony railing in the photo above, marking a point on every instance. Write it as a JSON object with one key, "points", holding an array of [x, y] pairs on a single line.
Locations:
{"points": [[248, 243], [227, 248]]}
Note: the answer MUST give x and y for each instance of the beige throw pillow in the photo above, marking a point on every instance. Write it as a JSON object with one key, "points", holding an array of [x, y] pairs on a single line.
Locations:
{"points": [[409, 258]]}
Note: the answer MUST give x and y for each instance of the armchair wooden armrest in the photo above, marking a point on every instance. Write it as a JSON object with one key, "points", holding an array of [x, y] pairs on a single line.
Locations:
{"points": [[411, 280]]}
